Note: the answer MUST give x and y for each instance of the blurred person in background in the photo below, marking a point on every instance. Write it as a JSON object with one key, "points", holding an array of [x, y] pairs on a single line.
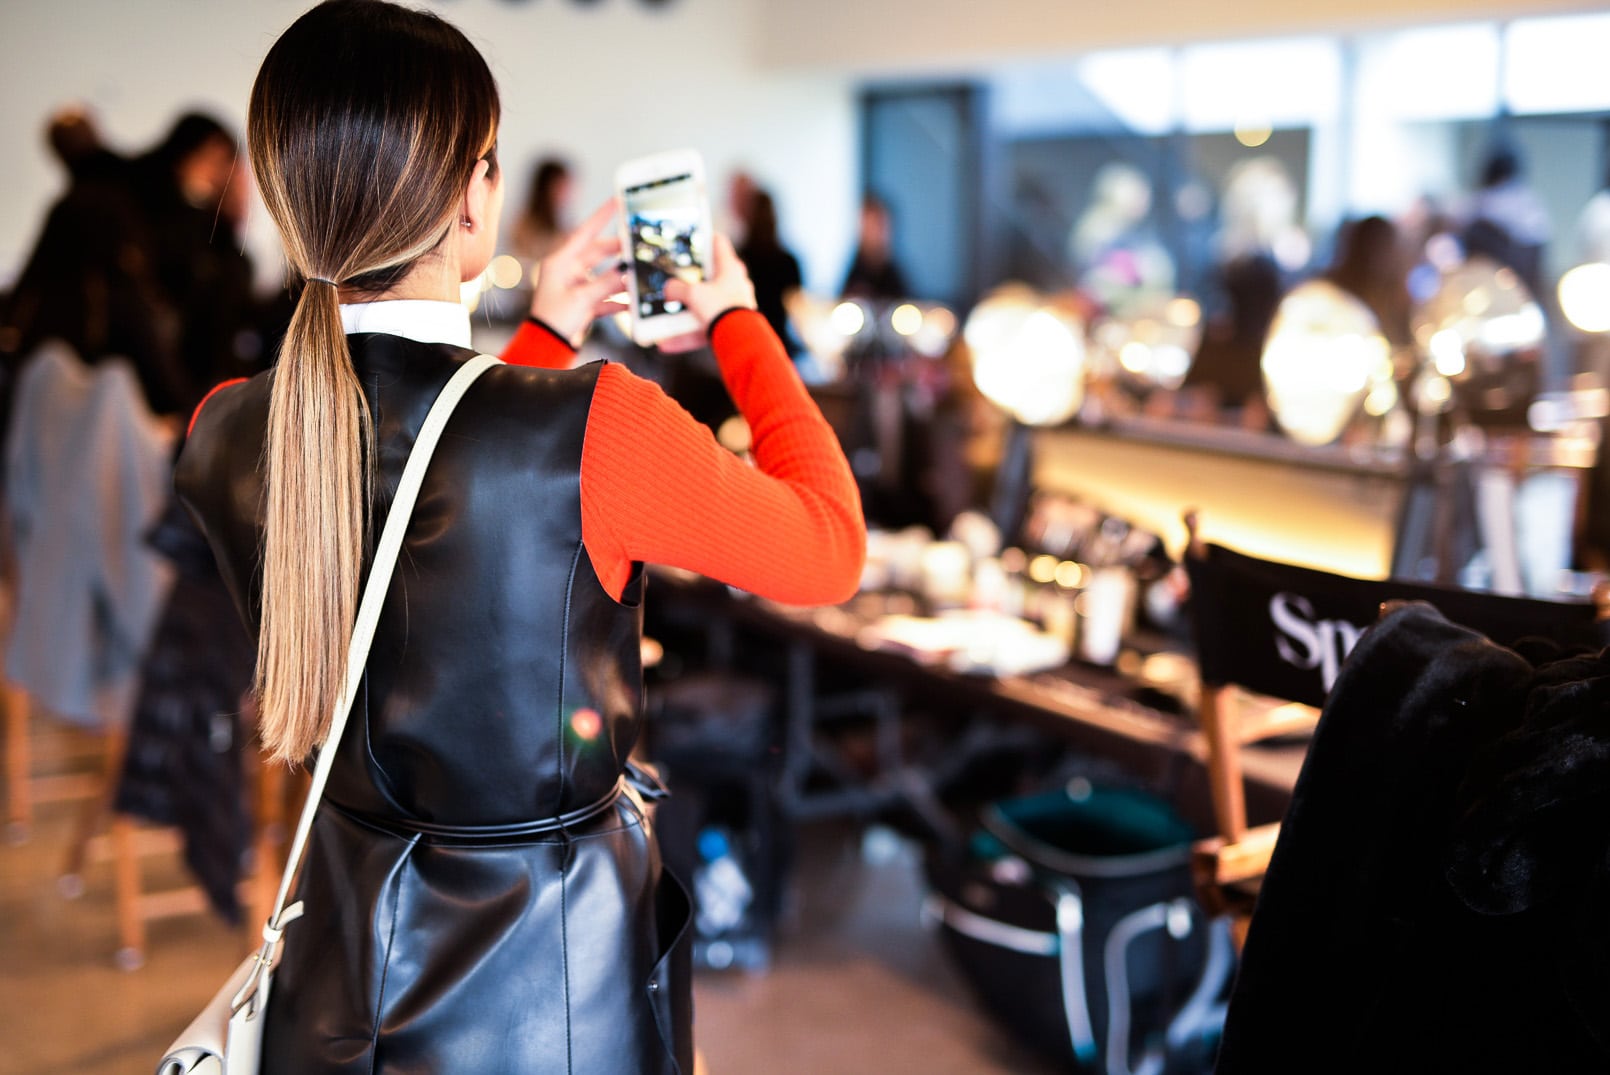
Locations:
{"points": [[1259, 242], [773, 269], [1431, 248], [740, 201], [91, 279], [538, 231], [186, 732], [1505, 220], [542, 226], [195, 198], [1371, 263], [76, 141], [873, 274], [1115, 253], [1227, 374]]}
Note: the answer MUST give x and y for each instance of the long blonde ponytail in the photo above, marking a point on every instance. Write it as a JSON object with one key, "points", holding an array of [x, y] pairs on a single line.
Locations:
{"points": [[320, 439], [366, 122]]}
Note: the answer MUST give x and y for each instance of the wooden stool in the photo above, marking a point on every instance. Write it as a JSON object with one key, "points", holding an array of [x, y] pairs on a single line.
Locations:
{"points": [[24, 788], [100, 835], [276, 795]]}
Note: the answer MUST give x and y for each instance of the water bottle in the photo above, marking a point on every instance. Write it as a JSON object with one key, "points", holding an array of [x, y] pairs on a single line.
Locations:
{"points": [[722, 891]]}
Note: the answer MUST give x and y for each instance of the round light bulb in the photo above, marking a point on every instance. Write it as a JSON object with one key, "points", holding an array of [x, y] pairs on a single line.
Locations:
{"points": [[905, 319], [847, 318], [1585, 296], [505, 271]]}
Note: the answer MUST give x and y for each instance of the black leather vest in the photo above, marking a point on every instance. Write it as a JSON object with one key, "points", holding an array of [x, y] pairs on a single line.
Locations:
{"points": [[504, 684], [448, 928]]}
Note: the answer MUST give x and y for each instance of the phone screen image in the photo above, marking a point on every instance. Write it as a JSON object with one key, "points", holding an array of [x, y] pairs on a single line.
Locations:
{"points": [[663, 222]]}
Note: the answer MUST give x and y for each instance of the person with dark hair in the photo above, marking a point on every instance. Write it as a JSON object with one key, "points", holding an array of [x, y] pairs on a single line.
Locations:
{"points": [[76, 141], [538, 231], [1505, 221], [1227, 366], [874, 273], [482, 889], [193, 199], [541, 228], [772, 267], [1371, 264], [741, 188], [91, 279]]}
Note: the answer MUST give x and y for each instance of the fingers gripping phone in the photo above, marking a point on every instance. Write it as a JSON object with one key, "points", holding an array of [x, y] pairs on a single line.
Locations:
{"points": [[665, 233]]}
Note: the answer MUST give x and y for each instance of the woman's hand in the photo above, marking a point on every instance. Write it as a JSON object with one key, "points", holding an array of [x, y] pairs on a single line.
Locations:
{"points": [[726, 286], [568, 294]]}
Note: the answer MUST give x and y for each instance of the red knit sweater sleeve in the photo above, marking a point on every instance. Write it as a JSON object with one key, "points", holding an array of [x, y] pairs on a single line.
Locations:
{"points": [[656, 487], [535, 344]]}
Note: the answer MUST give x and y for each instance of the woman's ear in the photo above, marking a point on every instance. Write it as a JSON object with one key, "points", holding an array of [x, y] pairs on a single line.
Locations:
{"points": [[478, 203]]}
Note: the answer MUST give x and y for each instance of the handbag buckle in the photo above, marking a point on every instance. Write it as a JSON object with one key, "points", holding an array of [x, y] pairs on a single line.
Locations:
{"points": [[253, 993], [247, 998]]}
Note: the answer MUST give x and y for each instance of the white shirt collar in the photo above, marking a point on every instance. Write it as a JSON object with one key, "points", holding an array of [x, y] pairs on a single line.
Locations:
{"points": [[424, 320]]}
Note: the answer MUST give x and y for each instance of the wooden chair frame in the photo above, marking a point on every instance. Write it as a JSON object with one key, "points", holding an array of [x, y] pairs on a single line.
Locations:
{"points": [[99, 834]]}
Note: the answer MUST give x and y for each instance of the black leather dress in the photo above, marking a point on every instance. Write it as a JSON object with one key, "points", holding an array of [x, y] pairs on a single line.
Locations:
{"points": [[483, 891]]}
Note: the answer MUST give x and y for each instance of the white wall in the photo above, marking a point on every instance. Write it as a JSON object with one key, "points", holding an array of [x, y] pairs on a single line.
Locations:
{"points": [[767, 85], [884, 36], [597, 82]]}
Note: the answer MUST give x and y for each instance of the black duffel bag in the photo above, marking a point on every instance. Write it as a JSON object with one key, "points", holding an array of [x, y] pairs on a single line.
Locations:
{"points": [[1072, 915]]}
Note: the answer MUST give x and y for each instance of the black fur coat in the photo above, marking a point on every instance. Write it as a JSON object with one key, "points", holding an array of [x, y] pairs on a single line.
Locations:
{"points": [[1439, 900]]}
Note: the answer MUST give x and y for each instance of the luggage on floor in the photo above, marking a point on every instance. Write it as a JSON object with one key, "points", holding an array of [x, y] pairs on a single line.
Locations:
{"points": [[1071, 914]]}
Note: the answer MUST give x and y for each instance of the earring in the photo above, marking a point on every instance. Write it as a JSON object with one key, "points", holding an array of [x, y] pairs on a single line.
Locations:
{"points": [[466, 223]]}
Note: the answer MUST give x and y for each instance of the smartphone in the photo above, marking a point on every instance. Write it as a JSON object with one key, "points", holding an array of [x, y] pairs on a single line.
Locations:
{"points": [[665, 233]]}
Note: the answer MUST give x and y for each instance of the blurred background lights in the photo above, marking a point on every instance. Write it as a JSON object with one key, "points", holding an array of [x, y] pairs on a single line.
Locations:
{"points": [[1325, 354], [1252, 132], [1436, 390], [1135, 357], [1448, 353], [1028, 357], [932, 329], [1152, 342], [1585, 296], [1381, 399], [1483, 335], [1170, 363], [505, 271], [940, 321], [1182, 312], [1070, 575], [848, 318], [1513, 331], [735, 435], [586, 723], [905, 319], [1043, 568]]}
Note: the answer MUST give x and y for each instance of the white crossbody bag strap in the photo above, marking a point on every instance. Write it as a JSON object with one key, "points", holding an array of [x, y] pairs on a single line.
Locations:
{"points": [[363, 630]]}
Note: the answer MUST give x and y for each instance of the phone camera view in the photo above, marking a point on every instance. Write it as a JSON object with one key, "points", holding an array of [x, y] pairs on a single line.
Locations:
{"points": [[663, 217]]}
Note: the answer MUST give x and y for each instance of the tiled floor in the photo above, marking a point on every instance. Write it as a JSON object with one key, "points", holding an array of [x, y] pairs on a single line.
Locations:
{"points": [[856, 985]]}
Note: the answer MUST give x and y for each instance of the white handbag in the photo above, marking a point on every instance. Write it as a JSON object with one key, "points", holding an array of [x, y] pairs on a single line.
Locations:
{"points": [[226, 1038]]}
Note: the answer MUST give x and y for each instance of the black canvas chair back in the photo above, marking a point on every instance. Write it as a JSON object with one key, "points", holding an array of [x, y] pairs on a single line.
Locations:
{"points": [[1283, 630]]}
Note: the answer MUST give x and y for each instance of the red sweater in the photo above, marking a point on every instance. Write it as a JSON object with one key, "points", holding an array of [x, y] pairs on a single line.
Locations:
{"points": [[657, 488]]}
